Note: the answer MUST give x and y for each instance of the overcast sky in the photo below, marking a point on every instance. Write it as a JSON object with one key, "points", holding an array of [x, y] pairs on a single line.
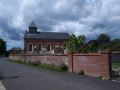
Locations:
{"points": [[88, 17]]}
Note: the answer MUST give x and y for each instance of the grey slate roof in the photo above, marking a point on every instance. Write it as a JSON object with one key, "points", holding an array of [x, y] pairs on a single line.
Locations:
{"points": [[47, 35], [32, 24]]}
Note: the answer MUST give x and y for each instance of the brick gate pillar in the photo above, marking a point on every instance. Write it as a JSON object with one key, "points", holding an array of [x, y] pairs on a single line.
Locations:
{"points": [[70, 61], [106, 55]]}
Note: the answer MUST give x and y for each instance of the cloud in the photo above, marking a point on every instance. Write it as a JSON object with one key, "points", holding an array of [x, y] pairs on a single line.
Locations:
{"points": [[88, 17]]}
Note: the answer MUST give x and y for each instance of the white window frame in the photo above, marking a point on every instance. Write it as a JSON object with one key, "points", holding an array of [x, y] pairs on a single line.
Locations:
{"points": [[28, 47], [41, 47], [50, 47]]}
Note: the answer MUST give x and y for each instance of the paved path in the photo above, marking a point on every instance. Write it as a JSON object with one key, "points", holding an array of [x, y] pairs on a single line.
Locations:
{"points": [[20, 77]]}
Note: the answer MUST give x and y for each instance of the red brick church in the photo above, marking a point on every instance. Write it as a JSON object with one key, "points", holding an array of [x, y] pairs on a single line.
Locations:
{"points": [[44, 42]]}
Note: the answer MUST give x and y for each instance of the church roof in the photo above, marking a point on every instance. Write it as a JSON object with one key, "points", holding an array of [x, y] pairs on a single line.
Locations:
{"points": [[32, 24], [44, 35], [47, 35]]}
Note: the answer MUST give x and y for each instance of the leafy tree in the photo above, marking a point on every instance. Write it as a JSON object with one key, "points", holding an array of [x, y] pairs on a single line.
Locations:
{"points": [[115, 45], [2, 47], [93, 45], [84, 49], [72, 44], [103, 38], [105, 47], [103, 42], [115, 41], [82, 46], [76, 44]]}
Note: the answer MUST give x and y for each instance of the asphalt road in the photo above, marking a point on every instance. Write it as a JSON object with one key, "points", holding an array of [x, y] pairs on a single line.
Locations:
{"points": [[20, 77]]}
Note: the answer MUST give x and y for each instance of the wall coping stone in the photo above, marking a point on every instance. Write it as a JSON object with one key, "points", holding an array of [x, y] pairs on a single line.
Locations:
{"points": [[38, 54], [105, 52], [116, 52], [87, 54]]}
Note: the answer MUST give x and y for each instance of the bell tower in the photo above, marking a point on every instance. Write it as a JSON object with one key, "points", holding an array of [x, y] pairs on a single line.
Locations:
{"points": [[32, 28]]}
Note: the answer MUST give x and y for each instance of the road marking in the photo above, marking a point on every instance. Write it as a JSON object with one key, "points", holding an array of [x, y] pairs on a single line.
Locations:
{"points": [[2, 86]]}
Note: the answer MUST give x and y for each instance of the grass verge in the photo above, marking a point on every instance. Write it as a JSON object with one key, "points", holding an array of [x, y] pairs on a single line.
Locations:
{"points": [[116, 65], [51, 68]]}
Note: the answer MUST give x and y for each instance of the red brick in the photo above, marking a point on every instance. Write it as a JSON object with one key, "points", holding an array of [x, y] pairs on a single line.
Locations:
{"points": [[44, 42], [92, 64]]}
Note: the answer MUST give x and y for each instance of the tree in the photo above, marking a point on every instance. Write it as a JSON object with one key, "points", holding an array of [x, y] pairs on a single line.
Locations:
{"points": [[76, 44], [82, 46], [72, 44], [2, 47], [93, 45], [103, 38], [105, 47], [115, 41], [115, 45]]}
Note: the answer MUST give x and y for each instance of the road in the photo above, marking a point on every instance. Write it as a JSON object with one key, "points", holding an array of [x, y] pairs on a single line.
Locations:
{"points": [[20, 77]]}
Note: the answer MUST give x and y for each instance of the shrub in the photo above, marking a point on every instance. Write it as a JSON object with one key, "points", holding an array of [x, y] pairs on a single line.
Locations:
{"points": [[109, 78], [100, 77], [63, 67], [81, 72], [34, 63], [52, 65], [103, 78], [20, 61]]}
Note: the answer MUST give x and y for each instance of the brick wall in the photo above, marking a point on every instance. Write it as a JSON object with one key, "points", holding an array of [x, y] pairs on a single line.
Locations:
{"points": [[91, 64], [55, 60], [45, 42]]}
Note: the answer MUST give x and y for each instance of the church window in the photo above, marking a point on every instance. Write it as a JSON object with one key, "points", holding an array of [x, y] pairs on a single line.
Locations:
{"points": [[48, 47], [39, 47], [30, 47]]}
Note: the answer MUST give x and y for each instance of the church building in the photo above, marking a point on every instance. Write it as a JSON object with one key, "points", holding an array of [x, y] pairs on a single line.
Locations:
{"points": [[44, 42]]}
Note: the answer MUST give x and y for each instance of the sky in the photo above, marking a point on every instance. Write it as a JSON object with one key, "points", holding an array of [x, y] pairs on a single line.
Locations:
{"points": [[81, 17]]}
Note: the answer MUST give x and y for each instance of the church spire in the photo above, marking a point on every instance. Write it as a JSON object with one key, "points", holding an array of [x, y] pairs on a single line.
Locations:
{"points": [[32, 28], [32, 24]]}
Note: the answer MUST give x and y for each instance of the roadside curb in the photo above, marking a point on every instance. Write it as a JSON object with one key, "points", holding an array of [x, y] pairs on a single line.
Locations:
{"points": [[2, 86]]}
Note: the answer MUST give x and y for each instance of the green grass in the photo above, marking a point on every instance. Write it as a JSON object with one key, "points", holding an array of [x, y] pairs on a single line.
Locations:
{"points": [[116, 64], [51, 68]]}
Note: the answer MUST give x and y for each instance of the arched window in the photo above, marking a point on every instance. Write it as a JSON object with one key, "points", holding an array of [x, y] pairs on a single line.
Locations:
{"points": [[39, 47], [30, 47], [48, 47]]}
